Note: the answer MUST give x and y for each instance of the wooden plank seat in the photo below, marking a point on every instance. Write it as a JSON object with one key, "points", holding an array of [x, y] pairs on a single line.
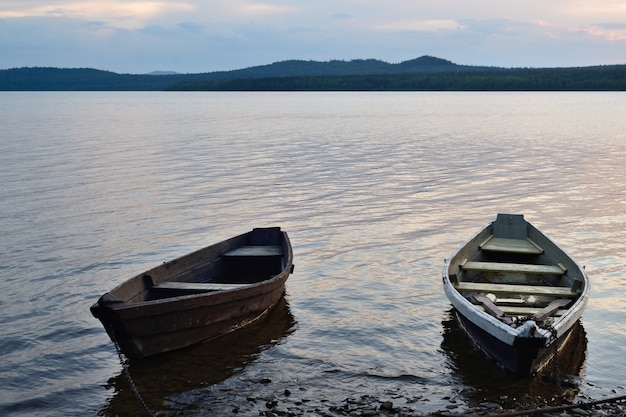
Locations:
{"points": [[500, 244], [197, 286], [528, 311], [256, 251], [514, 268], [544, 290], [505, 313]]}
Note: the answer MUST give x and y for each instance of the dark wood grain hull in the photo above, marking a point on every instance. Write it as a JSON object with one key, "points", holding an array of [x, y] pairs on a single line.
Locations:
{"points": [[144, 319]]}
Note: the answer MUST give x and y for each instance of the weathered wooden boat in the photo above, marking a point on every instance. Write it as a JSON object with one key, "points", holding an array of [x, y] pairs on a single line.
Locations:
{"points": [[199, 296], [516, 292]]}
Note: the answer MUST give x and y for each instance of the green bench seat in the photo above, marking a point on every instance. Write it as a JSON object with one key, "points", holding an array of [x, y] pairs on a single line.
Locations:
{"points": [[197, 286], [514, 268], [499, 244]]}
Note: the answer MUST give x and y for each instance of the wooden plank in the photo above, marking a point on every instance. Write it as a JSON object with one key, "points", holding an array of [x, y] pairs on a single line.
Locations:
{"points": [[500, 244], [550, 309], [485, 287], [256, 251], [526, 311], [513, 268], [492, 309], [197, 286]]}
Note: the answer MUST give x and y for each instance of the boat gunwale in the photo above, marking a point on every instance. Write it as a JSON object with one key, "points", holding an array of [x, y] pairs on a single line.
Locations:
{"points": [[122, 305], [221, 297]]}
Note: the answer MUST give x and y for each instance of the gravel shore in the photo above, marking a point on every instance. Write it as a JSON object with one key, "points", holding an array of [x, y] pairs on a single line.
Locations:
{"points": [[288, 404], [367, 406]]}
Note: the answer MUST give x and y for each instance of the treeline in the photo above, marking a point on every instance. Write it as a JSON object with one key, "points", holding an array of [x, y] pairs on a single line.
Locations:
{"points": [[82, 79], [611, 78], [421, 74], [337, 68], [86, 79]]}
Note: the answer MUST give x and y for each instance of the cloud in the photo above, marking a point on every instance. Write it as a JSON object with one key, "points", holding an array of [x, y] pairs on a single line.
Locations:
{"points": [[263, 9], [342, 16], [208, 35], [418, 25], [609, 35], [614, 26], [123, 14]]}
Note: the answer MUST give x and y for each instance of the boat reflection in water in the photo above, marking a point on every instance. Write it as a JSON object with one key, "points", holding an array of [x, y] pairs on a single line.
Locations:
{"points": [[482, 380], [161, 376]]}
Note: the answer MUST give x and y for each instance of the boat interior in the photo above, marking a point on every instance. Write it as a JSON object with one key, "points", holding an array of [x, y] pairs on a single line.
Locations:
{"points": [[236, 268], [510, 276], [243, 260]]}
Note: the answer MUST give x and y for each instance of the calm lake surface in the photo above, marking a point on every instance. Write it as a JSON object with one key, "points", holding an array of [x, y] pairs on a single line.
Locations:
{"points": [[374, 189]]}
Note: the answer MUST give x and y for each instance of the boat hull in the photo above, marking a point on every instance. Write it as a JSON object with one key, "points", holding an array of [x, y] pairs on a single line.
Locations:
{"points": [[145, 315], [524, 357]]}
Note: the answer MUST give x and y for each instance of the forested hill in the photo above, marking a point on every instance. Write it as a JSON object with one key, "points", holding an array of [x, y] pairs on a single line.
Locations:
{"points": [[422, 74]]}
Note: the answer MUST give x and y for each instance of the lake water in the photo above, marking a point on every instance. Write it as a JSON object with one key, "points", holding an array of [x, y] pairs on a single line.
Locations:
{"points": [[374, 189]]}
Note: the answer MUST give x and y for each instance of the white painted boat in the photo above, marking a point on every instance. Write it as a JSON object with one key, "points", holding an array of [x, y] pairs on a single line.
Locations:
{"points": [[517, 293]]}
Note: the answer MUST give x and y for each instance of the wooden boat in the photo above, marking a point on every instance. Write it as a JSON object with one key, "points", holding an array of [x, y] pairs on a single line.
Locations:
{"points": [[517, 293], [199, 296]]}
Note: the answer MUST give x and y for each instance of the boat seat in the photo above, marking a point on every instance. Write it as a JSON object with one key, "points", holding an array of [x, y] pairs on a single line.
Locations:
{"points": [[256, 251], [529, 311], [514, 268], [525, 312], [500, 244], [556, 308], [544, 290], [197, 286]]}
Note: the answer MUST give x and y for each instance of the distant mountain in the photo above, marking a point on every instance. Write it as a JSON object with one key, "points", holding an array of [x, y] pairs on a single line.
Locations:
{"points": [[425, 73], [76, 79], [296, 68], [46, 78]]}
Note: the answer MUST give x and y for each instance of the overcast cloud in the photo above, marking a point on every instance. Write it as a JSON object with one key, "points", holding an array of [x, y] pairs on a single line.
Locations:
{"points": [[192, 36]]}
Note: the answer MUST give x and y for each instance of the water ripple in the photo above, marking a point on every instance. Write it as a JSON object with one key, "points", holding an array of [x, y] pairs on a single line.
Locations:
{"points": [[375, 191]]}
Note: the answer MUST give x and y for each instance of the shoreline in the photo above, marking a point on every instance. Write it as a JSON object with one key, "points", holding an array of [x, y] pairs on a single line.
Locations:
{"points": [[290, 404]]}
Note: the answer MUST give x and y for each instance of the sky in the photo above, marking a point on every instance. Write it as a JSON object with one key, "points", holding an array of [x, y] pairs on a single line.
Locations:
{"points": [[195, 36]]}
